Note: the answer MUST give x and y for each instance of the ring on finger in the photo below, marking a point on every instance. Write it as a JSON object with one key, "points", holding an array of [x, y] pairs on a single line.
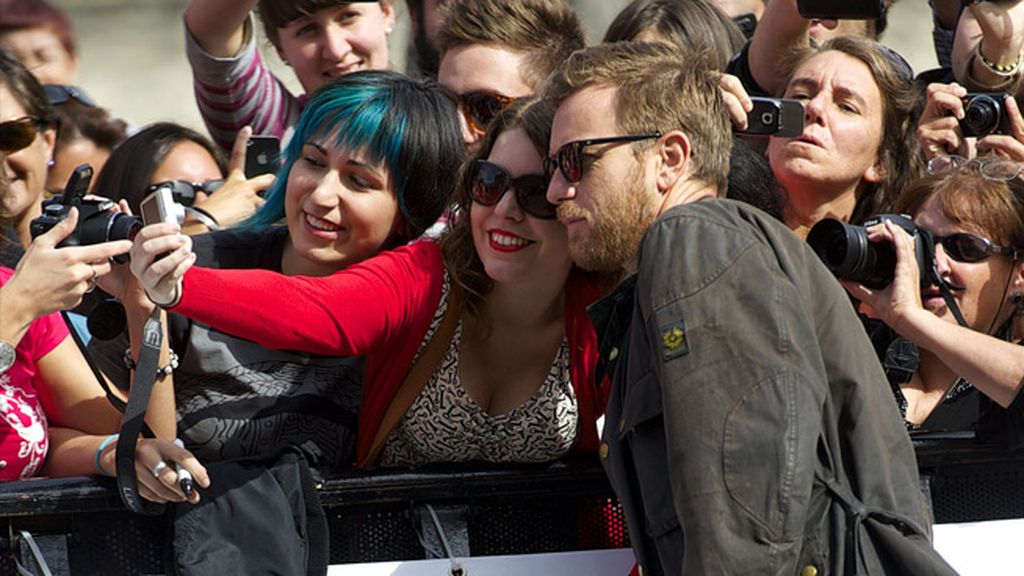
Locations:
{"points": [[92, 280], [159, 468]]}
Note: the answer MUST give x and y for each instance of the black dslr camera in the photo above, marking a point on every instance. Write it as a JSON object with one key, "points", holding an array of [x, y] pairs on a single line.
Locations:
{"points": [[985, 114], [97, 220], [847, 253]]}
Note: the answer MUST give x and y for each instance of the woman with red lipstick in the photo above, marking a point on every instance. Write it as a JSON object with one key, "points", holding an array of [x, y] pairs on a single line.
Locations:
{"points": [[493, 317], [946, 376], [858, 147], [318, 39]]}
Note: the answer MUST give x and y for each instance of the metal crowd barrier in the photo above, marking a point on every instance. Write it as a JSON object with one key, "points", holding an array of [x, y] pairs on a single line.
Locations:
{"points": [[484, 510]]}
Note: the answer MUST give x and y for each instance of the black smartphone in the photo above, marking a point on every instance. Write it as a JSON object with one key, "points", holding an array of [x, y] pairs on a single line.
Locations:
{"points": [[780, 117], [747, 23], [841, 9], [262, 155]]}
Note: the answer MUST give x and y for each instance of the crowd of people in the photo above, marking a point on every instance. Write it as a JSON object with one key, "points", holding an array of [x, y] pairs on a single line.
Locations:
{"points": [[487, 257]]}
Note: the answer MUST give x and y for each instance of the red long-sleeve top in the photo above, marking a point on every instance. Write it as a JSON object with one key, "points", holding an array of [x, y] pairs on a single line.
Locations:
{"points": [[380, 309]]}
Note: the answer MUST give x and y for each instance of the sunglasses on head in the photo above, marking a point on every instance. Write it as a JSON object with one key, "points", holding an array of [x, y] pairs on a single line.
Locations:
{"points": [[183, 192], [490, 182], [59, 94], [18, 134], [965, 247], [480, 107], [569, 158]]}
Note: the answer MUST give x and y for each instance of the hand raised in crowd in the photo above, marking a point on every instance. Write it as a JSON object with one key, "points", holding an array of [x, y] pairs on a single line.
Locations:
{"points": [[49, 279], [737, 101], [239, 198], [896, 303], [1008, 145], [161, 255], [1001, 25], [938, 128]]}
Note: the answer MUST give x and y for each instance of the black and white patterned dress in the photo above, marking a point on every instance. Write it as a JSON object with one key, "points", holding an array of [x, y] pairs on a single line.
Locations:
{"points": [[445, 425]]}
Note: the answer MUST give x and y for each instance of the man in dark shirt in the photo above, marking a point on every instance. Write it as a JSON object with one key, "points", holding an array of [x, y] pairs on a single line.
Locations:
{"points": [[750, 429]]}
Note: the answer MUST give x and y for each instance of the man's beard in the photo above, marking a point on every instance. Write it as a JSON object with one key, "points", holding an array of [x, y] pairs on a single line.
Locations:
{"points": [[615, 227]]}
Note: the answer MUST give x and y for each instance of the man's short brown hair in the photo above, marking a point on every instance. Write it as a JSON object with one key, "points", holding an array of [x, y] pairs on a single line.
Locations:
{"points": [[544, 32], [667, 88]]}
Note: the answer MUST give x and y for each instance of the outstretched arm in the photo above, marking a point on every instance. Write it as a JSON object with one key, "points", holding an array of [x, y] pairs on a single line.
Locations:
{"points": [[219, 25]]}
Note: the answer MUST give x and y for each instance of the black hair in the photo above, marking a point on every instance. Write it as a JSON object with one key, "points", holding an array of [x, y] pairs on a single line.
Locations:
{"points": [[131, 165]]}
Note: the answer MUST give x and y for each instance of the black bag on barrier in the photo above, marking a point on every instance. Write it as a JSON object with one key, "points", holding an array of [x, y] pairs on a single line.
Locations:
{"points": [[254, 519], [257, 516]]}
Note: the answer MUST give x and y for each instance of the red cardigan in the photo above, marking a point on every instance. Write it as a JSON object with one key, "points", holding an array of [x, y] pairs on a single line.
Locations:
{"points": [[381, 309]]}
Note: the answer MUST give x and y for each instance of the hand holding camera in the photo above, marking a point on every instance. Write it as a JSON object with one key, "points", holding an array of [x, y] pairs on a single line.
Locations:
{"points": [[160, 256], [883, 264]]}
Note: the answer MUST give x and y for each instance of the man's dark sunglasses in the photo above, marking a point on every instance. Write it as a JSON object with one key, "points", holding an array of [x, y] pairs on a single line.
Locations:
{"points": [[183, 192], [20, 133], [965, 247], [490, 182], [480, 107], [59, 94], [569, 158]]}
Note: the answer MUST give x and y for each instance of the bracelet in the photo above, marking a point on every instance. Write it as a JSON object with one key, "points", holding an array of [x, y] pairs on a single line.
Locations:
{"points": [[160, 372], [205, 218], [1004, 70], [99, 452]]}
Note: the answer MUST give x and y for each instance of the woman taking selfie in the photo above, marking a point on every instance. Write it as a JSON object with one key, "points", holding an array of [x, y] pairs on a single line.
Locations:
{"points": [[966, 377], [488, 327]]}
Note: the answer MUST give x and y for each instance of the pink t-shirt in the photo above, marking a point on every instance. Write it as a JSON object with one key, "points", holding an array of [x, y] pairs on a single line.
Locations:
{"points": [[23, 429]]}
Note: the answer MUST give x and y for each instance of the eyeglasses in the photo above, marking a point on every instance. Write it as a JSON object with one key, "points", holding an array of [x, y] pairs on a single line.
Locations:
{"points": [[992, 168], [59, 94], [18, 134], [480, 107], [965, 247], [183, 192], [569, 158], [490, 182]]}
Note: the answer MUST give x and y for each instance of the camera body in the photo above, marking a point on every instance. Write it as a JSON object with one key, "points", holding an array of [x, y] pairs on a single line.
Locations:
{"points": [[780, 117], [841, 9], [97, 220], [160, 206], [984, 114], [846, 251]]}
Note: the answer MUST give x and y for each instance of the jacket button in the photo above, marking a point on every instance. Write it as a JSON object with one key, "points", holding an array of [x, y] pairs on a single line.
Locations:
{"points": [[613, 354], [809, 570], [603, 450]]}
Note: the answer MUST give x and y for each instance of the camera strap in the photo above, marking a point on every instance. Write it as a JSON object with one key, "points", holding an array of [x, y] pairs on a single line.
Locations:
{"points": [[134, 417], [932, 276]]}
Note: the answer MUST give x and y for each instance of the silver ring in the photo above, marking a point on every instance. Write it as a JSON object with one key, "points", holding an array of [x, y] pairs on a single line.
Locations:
{"points": [[92, 280], [160, 467]]}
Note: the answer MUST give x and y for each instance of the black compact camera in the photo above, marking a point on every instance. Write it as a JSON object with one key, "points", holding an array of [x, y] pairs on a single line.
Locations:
{"points": [[780, 117], [847, 253], [841, 9], [984, 114], [97, 220]]}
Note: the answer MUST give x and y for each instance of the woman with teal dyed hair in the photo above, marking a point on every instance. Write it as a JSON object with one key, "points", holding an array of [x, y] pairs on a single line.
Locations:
{"points": [[370, 167]]}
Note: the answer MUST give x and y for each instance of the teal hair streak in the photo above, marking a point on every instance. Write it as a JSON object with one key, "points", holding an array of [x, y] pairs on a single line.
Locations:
{"points": [[362, 114]]}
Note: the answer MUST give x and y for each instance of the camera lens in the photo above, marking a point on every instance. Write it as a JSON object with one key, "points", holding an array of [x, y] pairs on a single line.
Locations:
{"points": [[847, 253], [768, 118], [981, 116]]}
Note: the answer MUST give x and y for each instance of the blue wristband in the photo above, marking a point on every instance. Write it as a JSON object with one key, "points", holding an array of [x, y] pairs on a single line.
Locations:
{"points": [[99, 452]]}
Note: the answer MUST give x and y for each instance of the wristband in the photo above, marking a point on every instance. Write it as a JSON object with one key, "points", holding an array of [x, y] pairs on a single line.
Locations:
{"points": [[160, 371], [99, 453], [204, 218], [1004, 70]]}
